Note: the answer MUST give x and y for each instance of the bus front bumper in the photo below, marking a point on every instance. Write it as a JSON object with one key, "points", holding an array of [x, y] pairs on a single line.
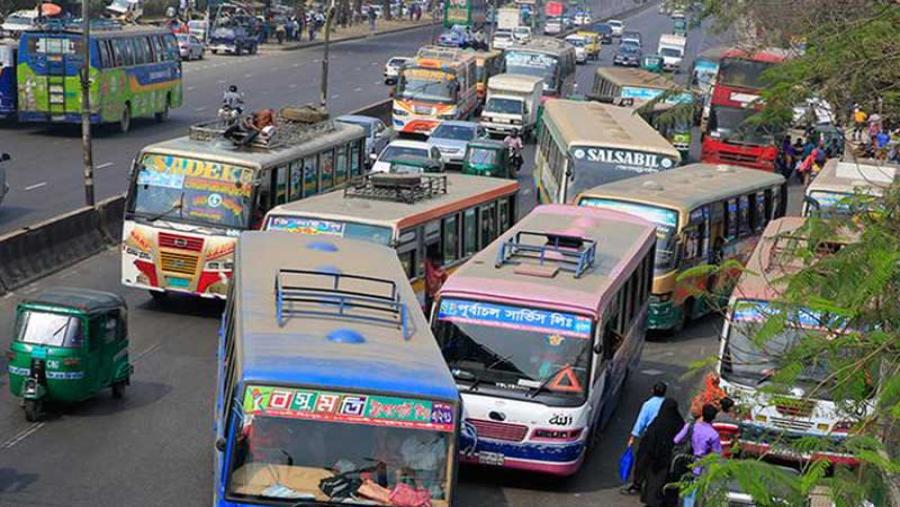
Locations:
{"points": [[560, 459], [35, 117], [769, 442], [663, 315]]}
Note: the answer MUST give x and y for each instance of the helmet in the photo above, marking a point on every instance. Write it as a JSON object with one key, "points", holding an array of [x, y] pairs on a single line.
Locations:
{"points": [[232, 88]]}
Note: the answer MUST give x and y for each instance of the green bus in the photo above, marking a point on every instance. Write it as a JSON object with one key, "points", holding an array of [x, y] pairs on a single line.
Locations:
{"points": [[134, 73]]}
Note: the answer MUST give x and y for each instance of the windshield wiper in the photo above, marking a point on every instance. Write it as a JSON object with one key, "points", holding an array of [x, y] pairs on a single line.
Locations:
{"points": [[177, 206], [479, 378]]}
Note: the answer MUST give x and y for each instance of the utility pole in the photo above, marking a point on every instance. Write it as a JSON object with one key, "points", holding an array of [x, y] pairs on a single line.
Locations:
{"points": [[323, 92], [86, 141]]}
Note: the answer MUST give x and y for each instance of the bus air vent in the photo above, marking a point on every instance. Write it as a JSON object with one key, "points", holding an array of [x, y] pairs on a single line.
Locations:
{"points": [[552, 252], [407, 188], [330, 294]]}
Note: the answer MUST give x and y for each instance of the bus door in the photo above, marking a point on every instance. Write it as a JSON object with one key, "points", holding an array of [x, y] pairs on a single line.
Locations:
{"points": [[7, 80]]}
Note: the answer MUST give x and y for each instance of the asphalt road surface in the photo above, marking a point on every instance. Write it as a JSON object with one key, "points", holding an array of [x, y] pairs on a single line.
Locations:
{"points": [[155, 446]]}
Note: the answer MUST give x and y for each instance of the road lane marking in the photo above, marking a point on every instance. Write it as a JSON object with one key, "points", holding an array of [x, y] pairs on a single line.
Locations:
{"points": [[199, 109], [22, 435], [221, 81], [296, 65], [145, 352], [652, 373], [335, 96], [103, 166], [36, 186], [358, 89], [190, 88], [292, 85]]}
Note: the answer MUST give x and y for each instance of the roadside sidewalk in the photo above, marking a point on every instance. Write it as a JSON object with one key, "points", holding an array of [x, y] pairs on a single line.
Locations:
{"points": [[357, 31]]}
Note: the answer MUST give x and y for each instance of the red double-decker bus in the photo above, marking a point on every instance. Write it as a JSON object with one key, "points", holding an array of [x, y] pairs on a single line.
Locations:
{"points": [[729, 138]]}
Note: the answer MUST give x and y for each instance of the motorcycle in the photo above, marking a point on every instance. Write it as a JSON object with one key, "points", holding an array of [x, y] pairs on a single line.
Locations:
{"points": [[515, 159], [229, 114]]}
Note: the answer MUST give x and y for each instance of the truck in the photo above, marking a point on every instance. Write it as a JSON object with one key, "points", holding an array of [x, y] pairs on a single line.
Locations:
{"points": [[468, 13], [507, 18], [671, 49], [512, 103]]}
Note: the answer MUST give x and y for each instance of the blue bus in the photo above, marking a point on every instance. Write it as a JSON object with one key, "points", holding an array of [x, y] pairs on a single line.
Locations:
{"points": [[331, 388], [134, 73], [7, 81]]}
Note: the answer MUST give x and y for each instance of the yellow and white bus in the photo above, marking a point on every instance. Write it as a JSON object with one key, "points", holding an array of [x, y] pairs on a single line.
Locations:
{"points": [[703, 214], [190, 197], [842, 186], [444, 218], [585, 144]]}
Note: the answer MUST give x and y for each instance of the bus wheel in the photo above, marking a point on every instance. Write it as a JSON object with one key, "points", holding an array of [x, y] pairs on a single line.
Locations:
{"points": [[125, 122], [158, 296], [118, 389], [164, 114], [686, 310]]}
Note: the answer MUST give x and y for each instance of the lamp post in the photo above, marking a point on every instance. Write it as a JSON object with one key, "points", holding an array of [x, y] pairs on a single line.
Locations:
{"points": [[86, 141]]}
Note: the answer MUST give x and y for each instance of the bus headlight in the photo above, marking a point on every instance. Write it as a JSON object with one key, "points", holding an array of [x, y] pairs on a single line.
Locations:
{"points": [[400, 112], [662, 298]]}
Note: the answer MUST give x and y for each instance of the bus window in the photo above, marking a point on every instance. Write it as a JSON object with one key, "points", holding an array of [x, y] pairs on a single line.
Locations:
{"points": [[450, 231], [355, 159], [310, 176], [470, 233], [759, 212], [744, 216], [159, 52], [103, 50], [326, 164], [146, 51], [281, 178], [488, 224], [731, 222], [340, 173], [296, 181], [503, 215]]}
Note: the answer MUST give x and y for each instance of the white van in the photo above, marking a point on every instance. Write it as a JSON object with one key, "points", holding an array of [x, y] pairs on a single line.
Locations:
{"points": [[512, 103]]}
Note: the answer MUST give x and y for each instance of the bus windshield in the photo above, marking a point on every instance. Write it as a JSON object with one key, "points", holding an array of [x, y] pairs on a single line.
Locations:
{"points": [[432, 85], [747, 363], [292, 441], [533, 64], [742, 73], [838, 204], [526, 352], [341, 228], [666, 221], [730, 124], [192, 191]]}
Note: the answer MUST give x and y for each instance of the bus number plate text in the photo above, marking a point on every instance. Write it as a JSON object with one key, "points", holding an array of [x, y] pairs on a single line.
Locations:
{"points": [[491, 458]]}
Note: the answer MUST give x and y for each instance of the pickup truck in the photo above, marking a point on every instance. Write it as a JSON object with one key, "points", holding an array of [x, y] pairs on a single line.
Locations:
{"points": [[233, 39]]}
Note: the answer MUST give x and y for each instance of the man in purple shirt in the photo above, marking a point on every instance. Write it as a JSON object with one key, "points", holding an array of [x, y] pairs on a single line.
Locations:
{"points": [[704, 441]]}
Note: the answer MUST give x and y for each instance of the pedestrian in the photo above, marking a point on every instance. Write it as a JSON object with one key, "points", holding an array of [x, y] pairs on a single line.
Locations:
{"points": [[312, 29], [859, 122], [703, 439], [280, 32], [372, 17], [645, 417], [655, 455], [727, 425]]}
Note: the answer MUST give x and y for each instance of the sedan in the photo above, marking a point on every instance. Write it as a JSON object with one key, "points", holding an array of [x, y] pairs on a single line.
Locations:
{"points": [[628, 55], [378, 135], [392, 68], [190, 47], [451, 138], [605, 31], [403, 148], [503, 39]]}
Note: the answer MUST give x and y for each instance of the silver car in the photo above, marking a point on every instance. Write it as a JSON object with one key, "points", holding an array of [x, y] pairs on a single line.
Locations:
{"points": [[190, 47], [451, 138], [378, 135]]}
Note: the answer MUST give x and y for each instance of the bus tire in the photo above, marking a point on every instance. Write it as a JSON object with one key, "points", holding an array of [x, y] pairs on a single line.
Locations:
{"points": [[118, 389], [214, 51], [686, 310], [164, 114], [125, 121], [158, 296]]}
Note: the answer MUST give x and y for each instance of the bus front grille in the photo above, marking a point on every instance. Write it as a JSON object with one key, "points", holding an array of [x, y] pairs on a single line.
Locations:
{"points": [[499, 431], [736, 157], [791, 424], [178, 263]]}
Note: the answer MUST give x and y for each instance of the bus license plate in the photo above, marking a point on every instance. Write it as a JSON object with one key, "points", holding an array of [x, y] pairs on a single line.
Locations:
{"points": [[491, 458], [180, 283]]}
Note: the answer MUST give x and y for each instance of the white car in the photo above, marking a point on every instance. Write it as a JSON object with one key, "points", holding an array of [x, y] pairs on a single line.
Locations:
{"points": [[502, 39], [522, 33], [580, 44], [617, 27], [190, 47], [553, 26], [404, 148], [583, 18], [392, 68]]}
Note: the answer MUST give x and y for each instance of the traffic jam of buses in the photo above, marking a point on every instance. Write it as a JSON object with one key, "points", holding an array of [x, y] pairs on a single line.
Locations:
{"points": [[467, 277]]}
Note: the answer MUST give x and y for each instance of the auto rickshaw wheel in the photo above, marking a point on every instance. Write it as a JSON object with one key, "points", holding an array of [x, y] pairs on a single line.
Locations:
{"points": [[34, 410], [118, 389]]}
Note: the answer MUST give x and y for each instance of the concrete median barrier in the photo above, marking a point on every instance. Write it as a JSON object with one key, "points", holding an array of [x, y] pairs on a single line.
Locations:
{"points": [[112, 214]]}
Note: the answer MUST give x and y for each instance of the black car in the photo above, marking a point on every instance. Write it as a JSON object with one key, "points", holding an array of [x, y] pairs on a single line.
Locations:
{"points": [[628, 55], [605, 31], [235, 39]]}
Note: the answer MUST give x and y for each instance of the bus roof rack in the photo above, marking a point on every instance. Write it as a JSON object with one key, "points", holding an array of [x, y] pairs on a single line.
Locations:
{"points": [[558, 252], [408, 188], [321, 294], [285, 133]]}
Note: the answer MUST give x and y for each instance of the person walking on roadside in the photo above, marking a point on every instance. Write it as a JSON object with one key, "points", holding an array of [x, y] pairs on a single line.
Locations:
{"points": [[704, 440], [645, 417], [655, 455], [372, 17], [859, 122]]}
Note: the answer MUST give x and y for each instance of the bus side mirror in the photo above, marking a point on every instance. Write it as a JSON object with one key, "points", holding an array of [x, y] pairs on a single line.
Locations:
{"points": [[812, 203], [220, 444], [598, 348]]}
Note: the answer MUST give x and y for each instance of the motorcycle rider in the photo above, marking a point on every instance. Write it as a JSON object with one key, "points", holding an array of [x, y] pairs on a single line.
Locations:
{"points": [[515, 146], [233, 100]]}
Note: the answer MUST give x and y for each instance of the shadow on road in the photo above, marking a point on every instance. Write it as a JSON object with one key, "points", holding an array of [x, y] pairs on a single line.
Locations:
{"points": [[11, 481]]}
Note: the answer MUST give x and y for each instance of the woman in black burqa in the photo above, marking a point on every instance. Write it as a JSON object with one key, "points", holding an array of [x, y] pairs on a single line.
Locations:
{"points": [[655, 454]]}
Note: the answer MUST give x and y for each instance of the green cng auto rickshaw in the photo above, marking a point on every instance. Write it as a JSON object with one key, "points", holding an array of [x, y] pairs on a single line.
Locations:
{"points": [[652, 63], [412, 164], [69, 344], [486, 157], [679, 27]]}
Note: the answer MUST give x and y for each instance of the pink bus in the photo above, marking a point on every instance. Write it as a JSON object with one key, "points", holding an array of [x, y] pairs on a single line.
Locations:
{"points": [[540, 330]]}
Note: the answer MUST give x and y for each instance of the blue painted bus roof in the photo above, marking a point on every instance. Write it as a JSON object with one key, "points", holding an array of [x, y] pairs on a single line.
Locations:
{"points": [[298, 352]]}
